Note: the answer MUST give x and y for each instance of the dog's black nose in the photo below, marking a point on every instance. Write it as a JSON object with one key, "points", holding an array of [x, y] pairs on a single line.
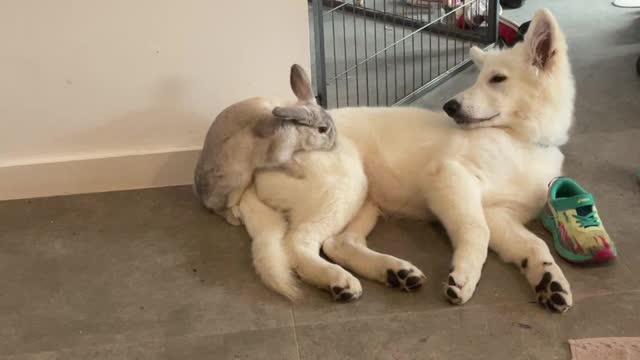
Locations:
{"points": [[451, 107]]}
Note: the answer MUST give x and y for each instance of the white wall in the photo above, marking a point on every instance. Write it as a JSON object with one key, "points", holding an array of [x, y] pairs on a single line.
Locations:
{"points": [[89, 79]]}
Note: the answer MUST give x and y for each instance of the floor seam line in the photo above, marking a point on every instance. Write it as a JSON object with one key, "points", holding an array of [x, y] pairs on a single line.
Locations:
{"points": [[295, 333], [452, 309]]}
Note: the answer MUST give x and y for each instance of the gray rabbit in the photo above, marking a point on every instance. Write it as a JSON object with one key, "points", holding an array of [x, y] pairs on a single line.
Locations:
{"points": [[257, 134]]}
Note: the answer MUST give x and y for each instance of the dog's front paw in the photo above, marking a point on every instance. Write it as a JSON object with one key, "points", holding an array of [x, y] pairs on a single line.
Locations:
{"points": [[407, 278], [552, 289], [552, 294]]}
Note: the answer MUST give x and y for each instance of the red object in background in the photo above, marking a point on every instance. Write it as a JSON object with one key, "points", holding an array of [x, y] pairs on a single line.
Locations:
{"points": [[507, 29]]}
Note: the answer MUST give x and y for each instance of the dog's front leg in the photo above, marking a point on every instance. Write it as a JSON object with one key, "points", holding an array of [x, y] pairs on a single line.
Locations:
{"points": [[516, 244], [454, 196]]}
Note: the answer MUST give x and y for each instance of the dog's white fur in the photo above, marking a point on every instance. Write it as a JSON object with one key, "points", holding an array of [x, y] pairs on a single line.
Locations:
{"points": [[483, 180]]}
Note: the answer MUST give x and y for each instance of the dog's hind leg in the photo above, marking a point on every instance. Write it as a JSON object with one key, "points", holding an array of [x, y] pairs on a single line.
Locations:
{"points": [[267, 228], [516, 244], [454, 196], [304, 242], [349, 249]]}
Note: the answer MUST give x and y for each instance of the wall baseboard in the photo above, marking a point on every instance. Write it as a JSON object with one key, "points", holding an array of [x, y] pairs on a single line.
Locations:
{"points": [[125, 172]]}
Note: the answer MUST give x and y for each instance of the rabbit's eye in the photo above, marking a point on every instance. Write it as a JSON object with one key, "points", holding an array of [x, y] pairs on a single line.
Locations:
{"points": [[323, 129]]}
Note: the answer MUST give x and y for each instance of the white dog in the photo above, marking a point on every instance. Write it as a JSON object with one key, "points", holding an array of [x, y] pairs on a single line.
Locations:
{"points": [[483, 176]]}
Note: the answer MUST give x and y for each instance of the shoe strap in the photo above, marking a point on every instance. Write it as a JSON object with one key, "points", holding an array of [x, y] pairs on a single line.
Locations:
{"points": [[563, 204]]}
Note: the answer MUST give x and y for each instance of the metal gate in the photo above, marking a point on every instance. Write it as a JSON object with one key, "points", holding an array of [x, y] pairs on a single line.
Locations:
{"points": [[387, 52]]}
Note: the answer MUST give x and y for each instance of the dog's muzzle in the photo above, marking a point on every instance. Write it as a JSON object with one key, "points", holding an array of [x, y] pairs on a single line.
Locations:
{"points": [[453, 108]]}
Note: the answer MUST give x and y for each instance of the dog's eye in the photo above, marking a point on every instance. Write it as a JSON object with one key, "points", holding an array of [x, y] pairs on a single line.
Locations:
{"points": [[323, 129], [497, 79]]}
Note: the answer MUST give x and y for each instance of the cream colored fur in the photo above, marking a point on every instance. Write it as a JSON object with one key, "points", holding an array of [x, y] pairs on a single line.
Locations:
{"points": [[482, 180]]}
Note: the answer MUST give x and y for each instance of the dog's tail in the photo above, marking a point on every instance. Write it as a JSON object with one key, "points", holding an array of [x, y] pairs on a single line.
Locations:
{"points": [[267, 229]]}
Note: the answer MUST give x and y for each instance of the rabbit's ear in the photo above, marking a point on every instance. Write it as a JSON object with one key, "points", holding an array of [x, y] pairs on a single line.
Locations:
{"points": [[301, 85], [265, 127], [293, 113]]}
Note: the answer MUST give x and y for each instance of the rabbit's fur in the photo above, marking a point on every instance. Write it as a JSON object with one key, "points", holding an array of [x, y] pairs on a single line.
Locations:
{"points": [[257, 134]]}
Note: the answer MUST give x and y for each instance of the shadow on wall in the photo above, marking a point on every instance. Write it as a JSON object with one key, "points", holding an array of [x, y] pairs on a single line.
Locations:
{"points": [[165, 125]]}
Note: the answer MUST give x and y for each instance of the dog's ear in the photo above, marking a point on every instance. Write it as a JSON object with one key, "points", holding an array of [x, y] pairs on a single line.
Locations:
{"points": [[301, 85], [477, 55], [544, 40]]}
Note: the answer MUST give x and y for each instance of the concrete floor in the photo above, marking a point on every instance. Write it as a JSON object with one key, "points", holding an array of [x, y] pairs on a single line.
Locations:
{"points": [[149, 275]]}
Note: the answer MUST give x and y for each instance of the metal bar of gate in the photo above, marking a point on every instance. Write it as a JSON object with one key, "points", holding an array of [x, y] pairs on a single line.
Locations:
{"points": [[437, 80], [426, 25], [321, 71], [492, 21], [441, 25], [392, 18]]}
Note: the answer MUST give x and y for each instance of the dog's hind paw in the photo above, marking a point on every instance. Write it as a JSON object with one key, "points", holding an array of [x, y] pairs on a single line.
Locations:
{"points": [[409, 279], [453, 291], [459, 287], [343, 295], [347, 290]]}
